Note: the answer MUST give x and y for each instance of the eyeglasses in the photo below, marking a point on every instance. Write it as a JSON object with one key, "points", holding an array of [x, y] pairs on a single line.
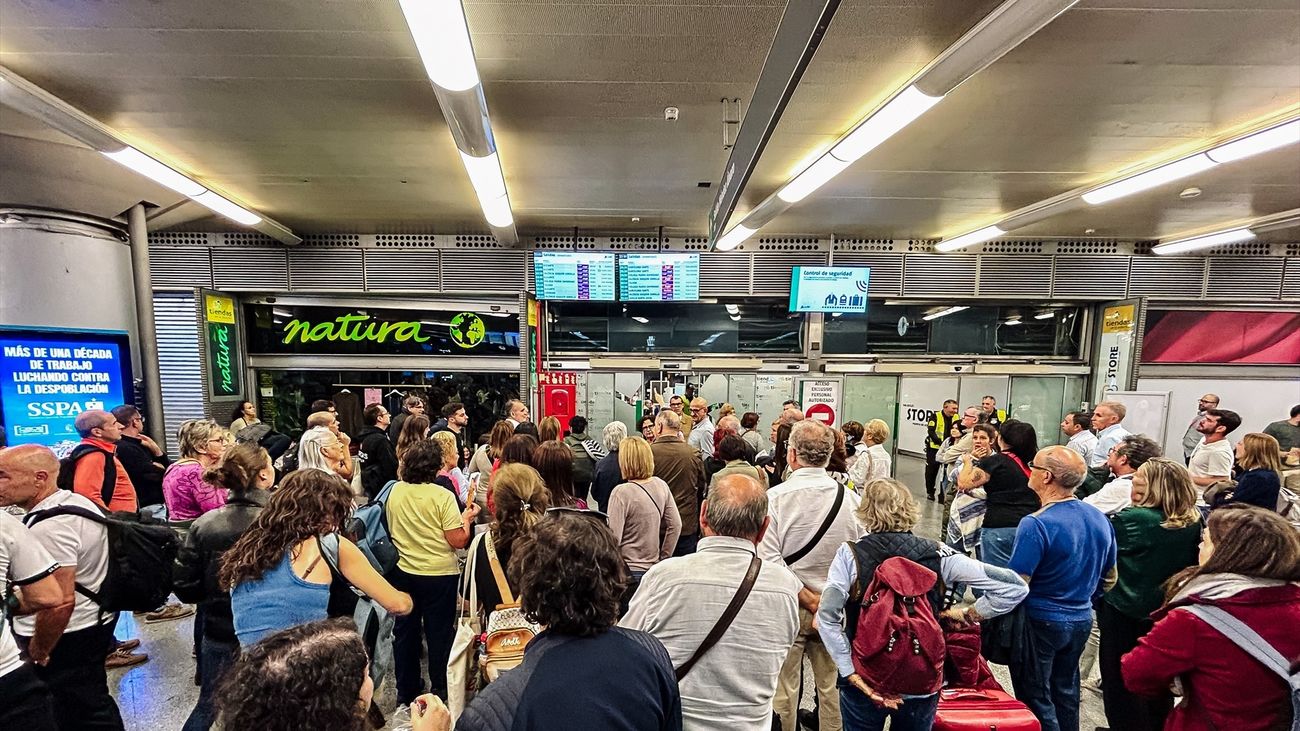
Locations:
{"points": [[588, 512]]}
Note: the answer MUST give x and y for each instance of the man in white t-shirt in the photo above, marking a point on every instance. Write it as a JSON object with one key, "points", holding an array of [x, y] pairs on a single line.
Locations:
{"points": [[1212, 459], [1125, 458], [69, 642], [28, 568]]}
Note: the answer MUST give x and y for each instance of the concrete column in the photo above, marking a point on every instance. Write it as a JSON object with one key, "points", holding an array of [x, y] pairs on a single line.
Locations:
{"points": [[155, 425]]}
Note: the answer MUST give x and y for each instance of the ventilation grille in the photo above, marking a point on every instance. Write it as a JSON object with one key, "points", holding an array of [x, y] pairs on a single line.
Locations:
{"points": [[1028, 275], [407, 241], [789, 243], [771, 274], [921, 245], [937, 275], [1249, 248], [247, 238], [725, 274], [330, 240], [1167, 277], [477, 241], [484, 271], [688, 243], [1013, 247], [177, 238], [1091, 277], [1293, 249], [250, 269], [864, 245], [403, 270], [176, 332], [326, 269], [1143, 248], [633, 243], [171, 267], [1245, 278], [886, 271], [1086, 246], [1291, 281]]}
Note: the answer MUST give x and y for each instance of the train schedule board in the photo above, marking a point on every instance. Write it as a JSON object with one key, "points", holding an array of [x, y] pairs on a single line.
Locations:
{"points": [[574, 275], [658, 277], [48, 377]]}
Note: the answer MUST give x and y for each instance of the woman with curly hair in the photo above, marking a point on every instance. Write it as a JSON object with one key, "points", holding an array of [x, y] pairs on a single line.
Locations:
{"points": [[274, 572], [520, 499], [571, 578], [313, 676]]}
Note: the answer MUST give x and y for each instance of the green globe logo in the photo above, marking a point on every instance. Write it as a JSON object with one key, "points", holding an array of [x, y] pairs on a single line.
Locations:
{"points": [[467, 329]]}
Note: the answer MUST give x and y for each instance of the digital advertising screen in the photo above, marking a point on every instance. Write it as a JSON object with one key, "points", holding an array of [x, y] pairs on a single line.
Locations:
{"points": [[829, 289], [658, 277], [572, 275], [48, 377]]}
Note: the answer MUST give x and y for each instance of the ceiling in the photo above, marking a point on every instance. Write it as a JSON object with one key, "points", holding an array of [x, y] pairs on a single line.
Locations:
{"points": [[320, 115]]}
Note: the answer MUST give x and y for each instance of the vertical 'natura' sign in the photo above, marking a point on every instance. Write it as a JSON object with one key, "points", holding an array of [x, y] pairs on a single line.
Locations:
{"points": [[223, 346]]}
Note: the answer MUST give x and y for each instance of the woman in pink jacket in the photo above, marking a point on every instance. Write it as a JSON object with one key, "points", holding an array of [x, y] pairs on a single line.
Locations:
{"points": [[1249, 563], [202, 443]]}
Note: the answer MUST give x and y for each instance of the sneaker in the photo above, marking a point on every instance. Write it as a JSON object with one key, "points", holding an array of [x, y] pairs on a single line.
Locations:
{"points": [[169, 612], [126, 645], [124, 659]]}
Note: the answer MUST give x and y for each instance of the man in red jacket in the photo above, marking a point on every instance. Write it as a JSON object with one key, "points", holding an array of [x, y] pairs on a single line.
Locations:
{"points": [[100, 431]]}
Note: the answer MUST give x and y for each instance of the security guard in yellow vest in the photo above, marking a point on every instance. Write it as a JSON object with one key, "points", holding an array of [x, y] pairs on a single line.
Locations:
{"points": [[937, 429], [992, 414]]}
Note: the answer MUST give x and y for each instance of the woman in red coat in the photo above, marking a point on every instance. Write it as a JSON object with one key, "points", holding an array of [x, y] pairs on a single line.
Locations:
{"points": [[1249, 563]]}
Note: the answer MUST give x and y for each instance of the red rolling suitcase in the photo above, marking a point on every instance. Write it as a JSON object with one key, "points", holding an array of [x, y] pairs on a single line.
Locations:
{"points": [[969, 709]]}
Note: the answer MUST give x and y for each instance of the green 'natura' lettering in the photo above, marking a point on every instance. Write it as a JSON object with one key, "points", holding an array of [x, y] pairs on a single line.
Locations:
{"points": [[349, 328]]}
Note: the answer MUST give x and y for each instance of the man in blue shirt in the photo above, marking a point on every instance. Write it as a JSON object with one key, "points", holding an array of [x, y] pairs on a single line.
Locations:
{"points": [[1066, 551]]}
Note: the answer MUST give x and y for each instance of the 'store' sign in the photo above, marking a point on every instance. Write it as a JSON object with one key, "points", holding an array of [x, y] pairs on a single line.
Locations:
{"points": [[821, 400]]}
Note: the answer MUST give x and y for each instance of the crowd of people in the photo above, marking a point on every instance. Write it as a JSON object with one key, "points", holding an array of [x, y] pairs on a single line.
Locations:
{"points": [[677, 576]]}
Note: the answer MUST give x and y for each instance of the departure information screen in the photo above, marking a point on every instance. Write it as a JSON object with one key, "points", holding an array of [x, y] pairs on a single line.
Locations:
{"points": [[571, 275], [658, 277]]}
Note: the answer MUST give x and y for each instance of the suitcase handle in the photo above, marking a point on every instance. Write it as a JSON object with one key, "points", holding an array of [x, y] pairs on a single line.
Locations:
{"points": [[964, 694]]}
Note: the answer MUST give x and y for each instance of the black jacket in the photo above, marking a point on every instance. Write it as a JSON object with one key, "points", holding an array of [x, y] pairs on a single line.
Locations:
{"points": [[144, 469], [379, 463], [194, 577], [605, 478]]}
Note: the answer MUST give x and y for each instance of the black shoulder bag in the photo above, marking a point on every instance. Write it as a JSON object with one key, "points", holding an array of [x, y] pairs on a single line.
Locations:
{"points": [[826, 525]]}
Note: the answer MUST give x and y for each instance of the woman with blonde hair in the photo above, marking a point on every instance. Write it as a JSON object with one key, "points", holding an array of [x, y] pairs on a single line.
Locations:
{"points": [[1260, 479], [450, 472], [186, 493], [549, 430], [642, 513], [519, 499], [887, 513], [1156, 538], [872, 462]]}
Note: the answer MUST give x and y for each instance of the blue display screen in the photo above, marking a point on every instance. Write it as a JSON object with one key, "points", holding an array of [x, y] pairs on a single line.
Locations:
{"points": [[566, 275], [47, 378], [658, 277], [829, 289]]}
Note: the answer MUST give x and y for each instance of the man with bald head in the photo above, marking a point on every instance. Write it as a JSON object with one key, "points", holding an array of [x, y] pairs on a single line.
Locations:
{"points": [[1066, 551], [97, 472], [67, 643], [680, 600]]}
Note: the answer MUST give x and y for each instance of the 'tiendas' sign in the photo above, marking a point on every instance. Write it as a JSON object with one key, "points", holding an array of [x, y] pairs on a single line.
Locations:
{"points": [[224, 367]]}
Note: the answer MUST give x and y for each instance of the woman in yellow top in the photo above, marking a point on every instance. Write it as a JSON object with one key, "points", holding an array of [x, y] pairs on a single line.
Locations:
{"points": [[427, 527]]}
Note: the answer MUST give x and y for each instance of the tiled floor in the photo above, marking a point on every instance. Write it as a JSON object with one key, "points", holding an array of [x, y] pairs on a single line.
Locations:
{"points": [[158, 695]]}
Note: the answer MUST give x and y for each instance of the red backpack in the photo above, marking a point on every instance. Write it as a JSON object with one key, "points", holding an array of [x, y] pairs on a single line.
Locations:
{"points": [[899, 647]]}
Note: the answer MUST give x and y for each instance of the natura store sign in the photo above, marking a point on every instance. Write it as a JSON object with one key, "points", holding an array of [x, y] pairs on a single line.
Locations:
{"points": [[322, 330]]}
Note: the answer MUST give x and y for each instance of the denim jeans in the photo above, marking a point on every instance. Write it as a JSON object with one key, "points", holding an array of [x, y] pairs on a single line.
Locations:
{"points": [[215, 657], [1049, 682], [996, 545], [860, 713]]}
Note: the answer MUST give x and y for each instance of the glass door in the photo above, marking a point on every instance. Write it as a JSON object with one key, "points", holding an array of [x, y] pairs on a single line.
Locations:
{"points": [[870, 397], [1043, 401]]}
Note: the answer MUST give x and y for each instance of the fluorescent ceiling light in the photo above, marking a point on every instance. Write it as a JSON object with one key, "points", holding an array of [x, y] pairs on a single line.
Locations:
{"points": [[909, 104], [1262, 141], [735, 237], [226, 208], [733, 309], [942, 313], [1013, 321], [485, 175], [641, 320], [1045, 315], [1232, 236], [442, 38], [155, 171], [497, 211], [970, 239], [1144, 181], [826, 167]]}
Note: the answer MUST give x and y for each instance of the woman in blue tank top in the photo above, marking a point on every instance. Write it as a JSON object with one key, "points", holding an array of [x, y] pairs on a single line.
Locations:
{"points": [[274, 571]]}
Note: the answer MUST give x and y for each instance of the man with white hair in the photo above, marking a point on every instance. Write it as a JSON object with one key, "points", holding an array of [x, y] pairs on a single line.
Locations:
{"points": [[328, 420], [607, 475], [810, 516], [1066, 551]]}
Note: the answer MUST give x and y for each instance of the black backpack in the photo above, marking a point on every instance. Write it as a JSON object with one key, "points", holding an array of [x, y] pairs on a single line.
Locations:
{"points": [[140, 558], [68, 470]]}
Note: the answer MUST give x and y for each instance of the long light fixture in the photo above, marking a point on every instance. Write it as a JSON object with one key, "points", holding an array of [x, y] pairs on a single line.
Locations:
{"points": [[1006, 27], [1271, 136], [944, 313], [1179, 246], [20, 94], [1049, 314], [441, 36], [1013, 321]]}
